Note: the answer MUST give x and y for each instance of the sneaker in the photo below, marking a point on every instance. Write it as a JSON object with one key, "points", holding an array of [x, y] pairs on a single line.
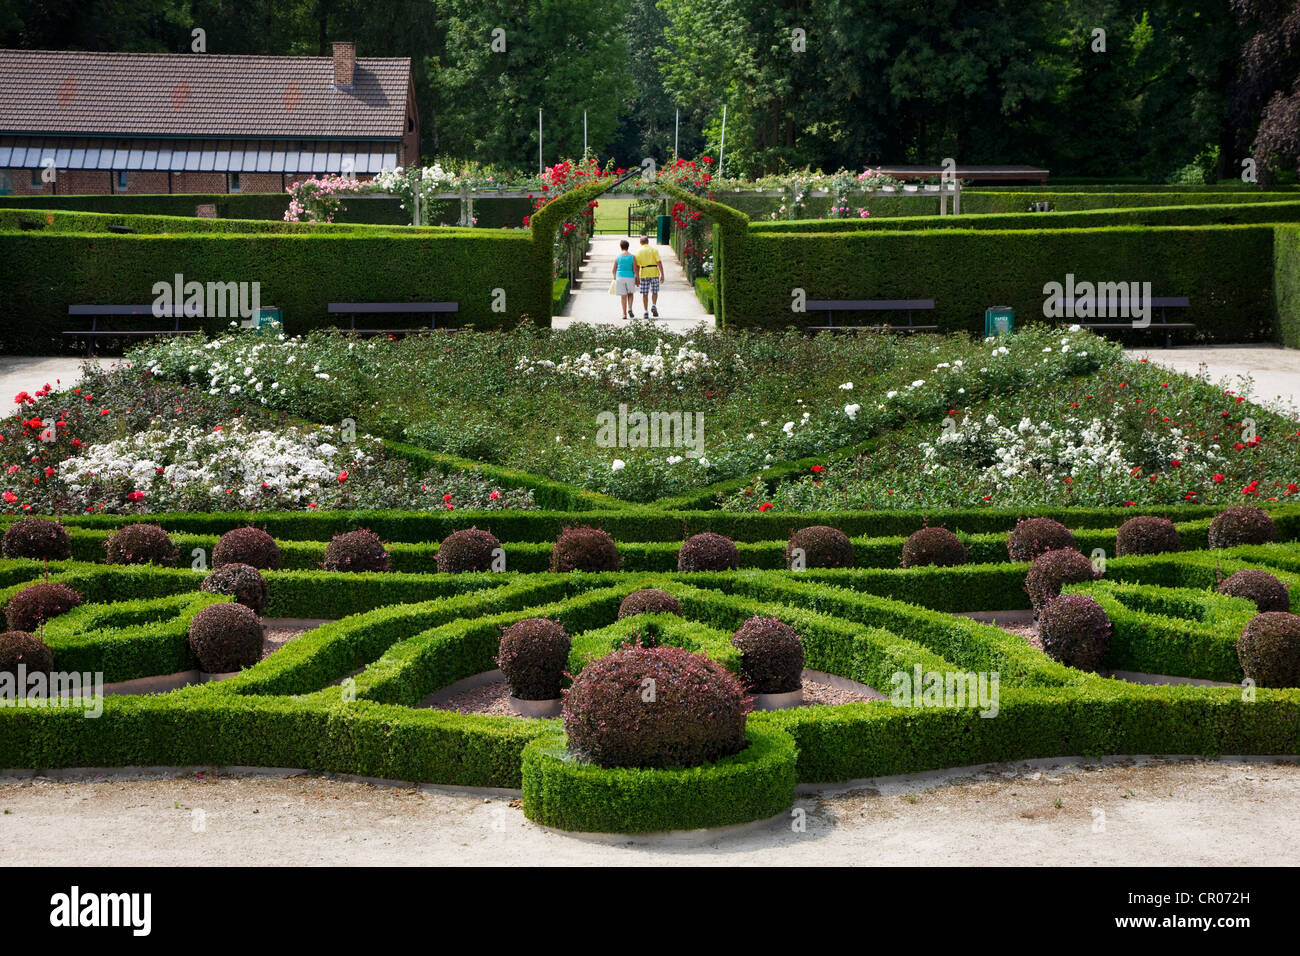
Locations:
{"points": [[646, 316], [654, 309]]}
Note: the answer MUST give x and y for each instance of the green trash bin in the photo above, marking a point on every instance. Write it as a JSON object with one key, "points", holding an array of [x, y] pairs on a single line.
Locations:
{"points": [[999, 320], [269, 319], [663, 230]]}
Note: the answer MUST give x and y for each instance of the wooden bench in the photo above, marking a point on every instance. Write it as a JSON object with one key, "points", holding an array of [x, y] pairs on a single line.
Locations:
{"points": [[831, 306], [96, 312], [353, 309], [1164, 325]]}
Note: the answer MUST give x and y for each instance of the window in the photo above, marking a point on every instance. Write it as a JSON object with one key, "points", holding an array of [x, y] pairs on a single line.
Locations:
{"points": [[121, 179], [410, 124], [234, 182], [36, 179]]}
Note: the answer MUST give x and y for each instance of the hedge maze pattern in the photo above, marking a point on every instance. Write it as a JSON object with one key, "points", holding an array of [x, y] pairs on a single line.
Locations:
{"points": [[347, 697]]}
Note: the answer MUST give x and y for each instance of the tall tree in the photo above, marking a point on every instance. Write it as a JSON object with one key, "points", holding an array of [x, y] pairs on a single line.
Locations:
{"points": [[560, 56]]}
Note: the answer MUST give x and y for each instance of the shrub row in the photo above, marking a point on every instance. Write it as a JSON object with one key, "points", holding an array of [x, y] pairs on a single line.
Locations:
{"points": [[1285, 209], [644, 524], [301, 274], [1225, 270], [491, 213], [236, 723]]}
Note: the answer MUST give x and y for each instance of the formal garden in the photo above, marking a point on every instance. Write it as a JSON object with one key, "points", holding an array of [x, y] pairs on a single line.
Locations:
{"points": [[654, 581]]}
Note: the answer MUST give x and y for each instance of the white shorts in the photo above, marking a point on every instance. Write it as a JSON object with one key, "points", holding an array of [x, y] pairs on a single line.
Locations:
{"points": [[626, 286]]}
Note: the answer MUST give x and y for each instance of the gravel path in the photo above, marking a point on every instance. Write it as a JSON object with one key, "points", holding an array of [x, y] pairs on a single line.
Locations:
{"points": [[1156, 812]]}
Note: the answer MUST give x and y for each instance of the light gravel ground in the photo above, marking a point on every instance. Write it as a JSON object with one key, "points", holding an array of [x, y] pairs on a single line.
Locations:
{"points": [[1268, 374], [1062, 813], [27, 373]]}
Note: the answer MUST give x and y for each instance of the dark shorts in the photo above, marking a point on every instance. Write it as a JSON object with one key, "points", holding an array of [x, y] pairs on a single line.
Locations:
{"points": [[649, 285]]}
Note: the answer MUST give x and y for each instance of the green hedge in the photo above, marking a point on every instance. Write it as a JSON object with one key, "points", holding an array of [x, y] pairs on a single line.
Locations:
{"points": [[561, 791], [559, 295], [281, 713], [491, 213], [1185, 215], [1286, 284], [704, 292], [642, 524], [302, 274], [1225, 270]]}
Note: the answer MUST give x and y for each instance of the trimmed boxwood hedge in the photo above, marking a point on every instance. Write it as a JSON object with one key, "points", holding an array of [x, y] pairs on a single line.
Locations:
{"points": [[755, 784], [491, 212], [1282, 209], [1286, 284], [1225, 270], [282, 712], [299, 273]]}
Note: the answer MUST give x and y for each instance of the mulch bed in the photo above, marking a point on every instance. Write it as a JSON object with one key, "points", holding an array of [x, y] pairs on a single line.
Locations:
{"points": [[281, 630], [492, 699]]}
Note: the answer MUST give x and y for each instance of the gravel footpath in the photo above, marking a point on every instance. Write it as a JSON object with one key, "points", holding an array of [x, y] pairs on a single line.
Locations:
{"points": [[1073, 813]]}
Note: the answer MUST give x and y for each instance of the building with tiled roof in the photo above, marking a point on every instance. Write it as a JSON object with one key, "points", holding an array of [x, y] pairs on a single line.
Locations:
{"points": [[199, 123]]}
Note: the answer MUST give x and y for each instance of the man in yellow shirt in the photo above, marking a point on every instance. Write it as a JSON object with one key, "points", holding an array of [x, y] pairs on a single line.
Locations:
{"points": [[647, 257]]}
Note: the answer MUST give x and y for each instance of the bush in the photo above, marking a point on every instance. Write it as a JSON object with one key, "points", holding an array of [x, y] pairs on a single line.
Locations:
{"points": [[37, 538], [696, 714], [1269, 649], [707, 551], [226, 637], [533, 655], [1146, 534], [823, 547], [33, 606], [359, 550], [140, 544], [467, 550], [1075, 631], [771, 656], [585, 549], [938, 547], [20, 647], [250, 546], [649, 601], [1268, 593], [1052, 570], [1035, 536], [1241, 524], [243, 582]]}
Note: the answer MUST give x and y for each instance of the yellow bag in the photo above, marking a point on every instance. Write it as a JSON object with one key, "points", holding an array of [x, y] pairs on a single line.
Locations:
{"points": [[613, 287]]}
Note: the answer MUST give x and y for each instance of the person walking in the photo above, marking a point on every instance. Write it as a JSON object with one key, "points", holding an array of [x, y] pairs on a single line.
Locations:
{"points": [[626, 273], [651, 270]]}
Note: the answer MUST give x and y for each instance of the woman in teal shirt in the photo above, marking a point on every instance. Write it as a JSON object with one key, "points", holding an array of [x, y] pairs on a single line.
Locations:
{"points": [[626, 272]]}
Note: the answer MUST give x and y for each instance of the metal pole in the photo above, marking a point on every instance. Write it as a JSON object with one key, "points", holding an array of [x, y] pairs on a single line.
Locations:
{"points": [[677, 132], [722, 147], [584, 134], [539, 142]]}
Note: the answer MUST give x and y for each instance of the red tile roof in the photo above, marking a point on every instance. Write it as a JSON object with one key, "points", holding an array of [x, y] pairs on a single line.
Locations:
{"points": [[199, 95]]}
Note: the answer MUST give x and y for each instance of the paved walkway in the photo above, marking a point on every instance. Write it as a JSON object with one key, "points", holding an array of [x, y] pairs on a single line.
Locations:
{"points": [[679, 308], [27, 373], [1268, 374]]}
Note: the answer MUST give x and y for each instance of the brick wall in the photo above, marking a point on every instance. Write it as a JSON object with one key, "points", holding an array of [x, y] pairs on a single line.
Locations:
{"points": [[100, 182]]}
